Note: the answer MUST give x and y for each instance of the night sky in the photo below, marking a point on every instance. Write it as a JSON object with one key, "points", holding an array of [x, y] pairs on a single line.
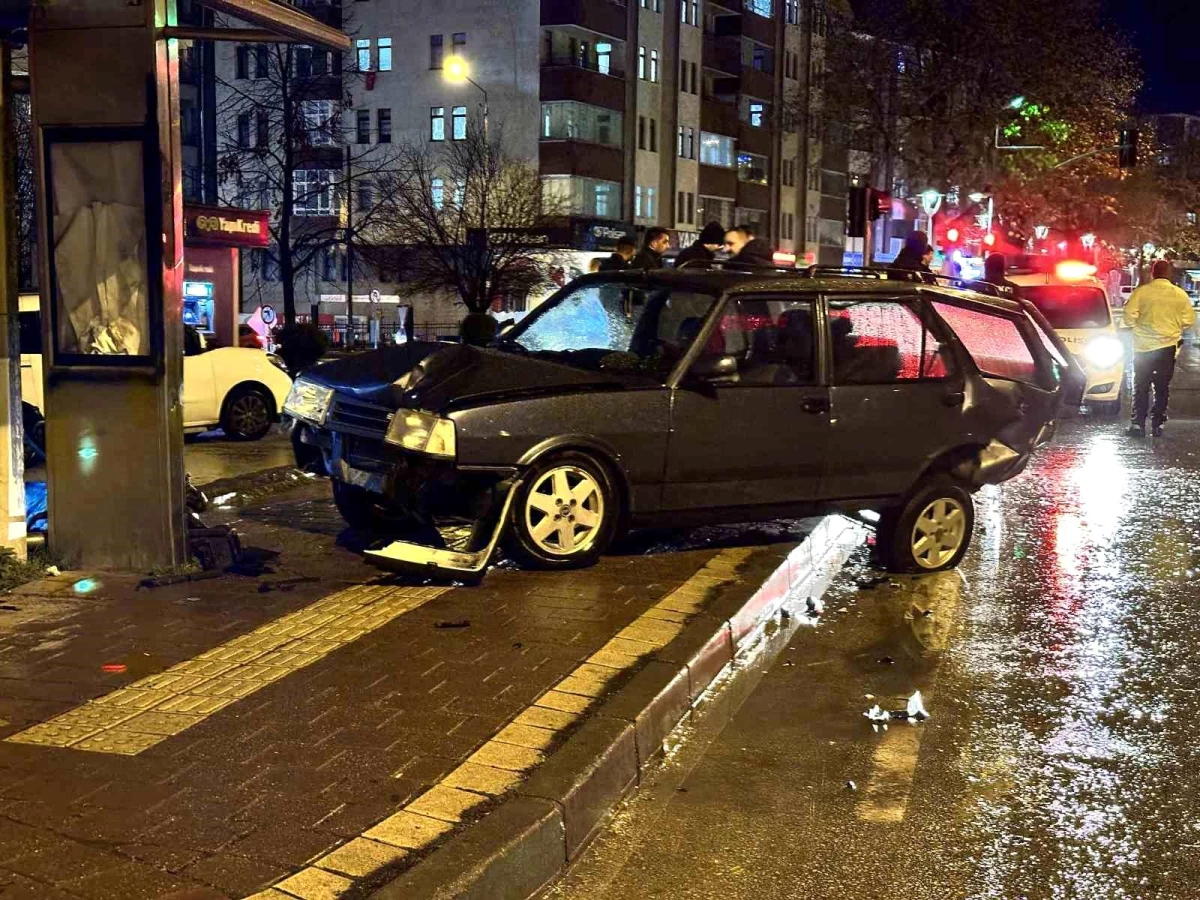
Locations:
{"points": [[1162, 33]]}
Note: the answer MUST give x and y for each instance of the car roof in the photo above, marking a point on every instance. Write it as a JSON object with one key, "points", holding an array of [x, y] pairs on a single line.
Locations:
{"points": [[869, 282]]}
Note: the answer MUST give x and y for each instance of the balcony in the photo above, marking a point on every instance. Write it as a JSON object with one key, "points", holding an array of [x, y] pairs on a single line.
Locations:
{"points": [[721, 55], [718, 117], [753, 196], [748, 24], [599, 16], [758, 84], [718, 182], [567, 78], [754, 140], [579, 158]]}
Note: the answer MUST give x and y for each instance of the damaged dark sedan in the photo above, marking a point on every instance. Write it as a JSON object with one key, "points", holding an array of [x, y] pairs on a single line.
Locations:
{"points": [[689, 397]]}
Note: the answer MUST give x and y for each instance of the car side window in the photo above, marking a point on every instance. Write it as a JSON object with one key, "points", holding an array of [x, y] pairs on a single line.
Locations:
{"points": [[994, 342], [772, 341], [882, 342]]}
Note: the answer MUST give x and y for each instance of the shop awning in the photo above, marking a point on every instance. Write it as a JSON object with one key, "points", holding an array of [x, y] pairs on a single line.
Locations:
{"points": [[278, 21]]}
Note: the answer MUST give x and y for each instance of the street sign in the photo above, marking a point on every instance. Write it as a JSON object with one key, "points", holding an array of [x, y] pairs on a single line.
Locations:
{"points": [[375, 295], [268, 315]]}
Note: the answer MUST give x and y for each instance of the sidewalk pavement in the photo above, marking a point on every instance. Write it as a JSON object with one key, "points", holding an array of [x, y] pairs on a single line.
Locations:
{"points": [[213, 738]]}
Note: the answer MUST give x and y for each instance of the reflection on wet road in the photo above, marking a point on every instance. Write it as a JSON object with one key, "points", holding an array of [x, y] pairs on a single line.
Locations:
{"points": [[1060, 668]]}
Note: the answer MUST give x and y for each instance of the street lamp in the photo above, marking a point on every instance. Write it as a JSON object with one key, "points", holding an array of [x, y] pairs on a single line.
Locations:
{"points": [[456, 71]]}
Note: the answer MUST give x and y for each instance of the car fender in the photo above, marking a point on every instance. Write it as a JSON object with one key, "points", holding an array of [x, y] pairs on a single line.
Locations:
{"points": [[604, 452], [237, 366]]}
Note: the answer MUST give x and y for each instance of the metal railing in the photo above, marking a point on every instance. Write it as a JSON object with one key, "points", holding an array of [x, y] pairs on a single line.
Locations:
{"points": [[613, 68], [358, 335]]}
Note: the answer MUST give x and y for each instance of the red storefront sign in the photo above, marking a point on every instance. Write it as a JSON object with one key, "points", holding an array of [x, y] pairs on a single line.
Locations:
{"points": [[216, 226]]}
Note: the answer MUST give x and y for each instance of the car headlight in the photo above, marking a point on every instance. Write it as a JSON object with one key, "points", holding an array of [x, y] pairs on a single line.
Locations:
{"points": [[307, 400], [276, 362], [422, 432], [1104, 352]]}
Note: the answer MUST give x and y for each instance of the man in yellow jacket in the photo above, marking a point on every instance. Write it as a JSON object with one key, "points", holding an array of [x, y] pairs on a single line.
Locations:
{"points": [[1158, 313]]}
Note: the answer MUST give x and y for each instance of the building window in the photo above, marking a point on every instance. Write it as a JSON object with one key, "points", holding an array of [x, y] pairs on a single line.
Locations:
{"points": [[362, 126], [695, 80], [366, 195], [260, 61], [654, 66], [318, 122], [312, 191], [717, 150], [691, 143], [762, 7], [792, 11], [383, 121], [242, 63], [604, 57], [642, 63], [680, 148], [263, 127], [637, 201], [654, 135], [437, 123], [311, 63], [333, 265], [756, 113], [364, 54], [650, 192], [459, 116], [752, 168], [570, 120], [436, 47], [460, 42], [641, 132], [689, 12], [243, 129], [438, 191], [760, 59], [583, 196], [385, 54]]}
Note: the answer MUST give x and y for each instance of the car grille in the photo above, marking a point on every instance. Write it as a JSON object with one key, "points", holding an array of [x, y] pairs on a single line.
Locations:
{"points": [[356, 417]]}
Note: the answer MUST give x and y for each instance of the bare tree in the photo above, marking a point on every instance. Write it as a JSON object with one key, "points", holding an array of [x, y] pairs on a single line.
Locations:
{"points": [[470, 219], [284, 146]]}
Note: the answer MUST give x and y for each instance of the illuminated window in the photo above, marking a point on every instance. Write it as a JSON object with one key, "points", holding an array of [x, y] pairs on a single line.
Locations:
{"points": [[385, 54], [459, 123], [363, 48], [437, 123]]}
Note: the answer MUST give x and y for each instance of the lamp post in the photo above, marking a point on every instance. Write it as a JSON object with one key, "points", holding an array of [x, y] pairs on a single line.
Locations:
{"points": [[456, 71]]}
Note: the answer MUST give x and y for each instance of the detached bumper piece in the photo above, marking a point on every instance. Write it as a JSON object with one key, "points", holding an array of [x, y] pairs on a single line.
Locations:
{"points": [[470, 562]]}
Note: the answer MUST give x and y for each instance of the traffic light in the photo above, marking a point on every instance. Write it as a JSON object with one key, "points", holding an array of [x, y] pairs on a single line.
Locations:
{"points": [[856, 213], [1128, 148], [952, 235], [879, 204]]}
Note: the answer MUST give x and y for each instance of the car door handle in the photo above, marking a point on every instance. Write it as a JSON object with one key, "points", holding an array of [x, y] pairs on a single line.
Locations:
{"points": [[954, 398], [815, 405]]}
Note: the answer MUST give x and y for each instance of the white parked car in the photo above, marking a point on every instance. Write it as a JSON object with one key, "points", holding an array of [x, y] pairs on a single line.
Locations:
{"points": [[238, 388]]}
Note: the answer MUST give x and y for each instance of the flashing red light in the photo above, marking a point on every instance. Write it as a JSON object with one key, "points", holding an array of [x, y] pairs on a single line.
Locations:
{"points": [[1074, 270], [784, 258], [952, 235], [989, 239]]}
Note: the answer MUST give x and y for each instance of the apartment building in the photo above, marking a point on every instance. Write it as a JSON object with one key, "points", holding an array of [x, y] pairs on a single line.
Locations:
{"points": [[664, 113]]}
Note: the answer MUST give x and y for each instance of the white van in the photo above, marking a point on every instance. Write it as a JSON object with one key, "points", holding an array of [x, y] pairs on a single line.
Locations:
{"points": [[1073, 301]]}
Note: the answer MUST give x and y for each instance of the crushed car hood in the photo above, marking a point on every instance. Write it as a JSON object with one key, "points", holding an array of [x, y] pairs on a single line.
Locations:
{"points": [[451, 376]]}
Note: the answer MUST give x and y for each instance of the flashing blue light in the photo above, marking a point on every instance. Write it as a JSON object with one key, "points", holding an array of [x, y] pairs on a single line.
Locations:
{"points": [[85, 585]]}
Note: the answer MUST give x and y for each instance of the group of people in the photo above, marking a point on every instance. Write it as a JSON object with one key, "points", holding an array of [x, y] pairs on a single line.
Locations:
{"points": [[740, 244]]}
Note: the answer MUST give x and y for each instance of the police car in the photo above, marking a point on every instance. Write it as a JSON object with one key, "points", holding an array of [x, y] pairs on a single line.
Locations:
{"points": [[1073, 300]]}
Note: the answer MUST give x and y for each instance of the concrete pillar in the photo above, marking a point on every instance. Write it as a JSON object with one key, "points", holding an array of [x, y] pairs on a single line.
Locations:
{"points": [[105, 87], [12, 456]]}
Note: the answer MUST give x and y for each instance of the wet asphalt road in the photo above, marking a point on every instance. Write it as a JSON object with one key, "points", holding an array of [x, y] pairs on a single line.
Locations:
{"points": [[1060, 671]]}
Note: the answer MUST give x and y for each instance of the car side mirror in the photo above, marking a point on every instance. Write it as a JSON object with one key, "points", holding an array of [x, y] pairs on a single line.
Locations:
{"points": [[713, 368]]}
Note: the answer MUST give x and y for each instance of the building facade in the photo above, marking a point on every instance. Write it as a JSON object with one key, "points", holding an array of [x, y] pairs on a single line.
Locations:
{"points": [[668, 113]]}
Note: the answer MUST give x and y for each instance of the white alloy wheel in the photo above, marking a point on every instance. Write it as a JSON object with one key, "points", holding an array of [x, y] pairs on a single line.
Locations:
{"points": [[938, 533], [564, 511]]}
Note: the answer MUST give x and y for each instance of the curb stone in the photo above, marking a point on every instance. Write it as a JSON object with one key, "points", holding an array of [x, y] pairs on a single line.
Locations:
{"points": [[549, 819]]}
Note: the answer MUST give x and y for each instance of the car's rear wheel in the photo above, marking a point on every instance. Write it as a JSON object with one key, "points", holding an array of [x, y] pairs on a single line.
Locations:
{"points": [[565, 513], [247, 414], [931, 531], [368, 512]]}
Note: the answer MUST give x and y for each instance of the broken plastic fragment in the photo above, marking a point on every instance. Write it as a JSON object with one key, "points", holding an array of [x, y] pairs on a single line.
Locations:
{"points": [[52, 571], [815, 606], [916, 708], [851, 786]]}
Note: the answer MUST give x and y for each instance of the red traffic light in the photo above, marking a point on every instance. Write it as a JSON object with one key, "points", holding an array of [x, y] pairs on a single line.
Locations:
{"points": [[989, 239], [952, 235]]}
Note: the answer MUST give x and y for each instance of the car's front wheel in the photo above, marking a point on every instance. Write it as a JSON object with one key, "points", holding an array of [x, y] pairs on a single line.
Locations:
{"points": [[565, 514], [931, 531], [247, 414]]}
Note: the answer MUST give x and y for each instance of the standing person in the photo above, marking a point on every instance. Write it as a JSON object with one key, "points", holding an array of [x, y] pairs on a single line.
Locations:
{"points": [[1158, 313], [705, 247], [656, 244], [620, 259], [912, 257], [745, 248]]}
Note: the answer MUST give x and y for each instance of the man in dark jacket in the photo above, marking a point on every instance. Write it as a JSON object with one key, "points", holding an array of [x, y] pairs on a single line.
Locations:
{"points": [[912, 257], [656, 244], [747, 249], [620, 259], [706, 246]]}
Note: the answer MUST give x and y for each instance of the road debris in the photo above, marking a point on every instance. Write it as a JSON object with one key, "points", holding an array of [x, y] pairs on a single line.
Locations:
{"points": [[454, 623]]}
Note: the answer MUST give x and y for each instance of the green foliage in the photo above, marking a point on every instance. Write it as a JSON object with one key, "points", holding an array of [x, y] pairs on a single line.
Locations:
{"points": [[16, 572]]}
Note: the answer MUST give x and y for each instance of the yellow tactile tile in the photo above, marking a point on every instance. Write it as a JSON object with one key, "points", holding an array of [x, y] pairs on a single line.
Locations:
{"points": [[613, 659], [315, 884], [572, 703], [544, 717], [666, 615], [191, 690], [445, 803], [651, 631], [482, 779], [506, 756], [408, 831], [587, 681], [360, 857], [531, 736]]}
